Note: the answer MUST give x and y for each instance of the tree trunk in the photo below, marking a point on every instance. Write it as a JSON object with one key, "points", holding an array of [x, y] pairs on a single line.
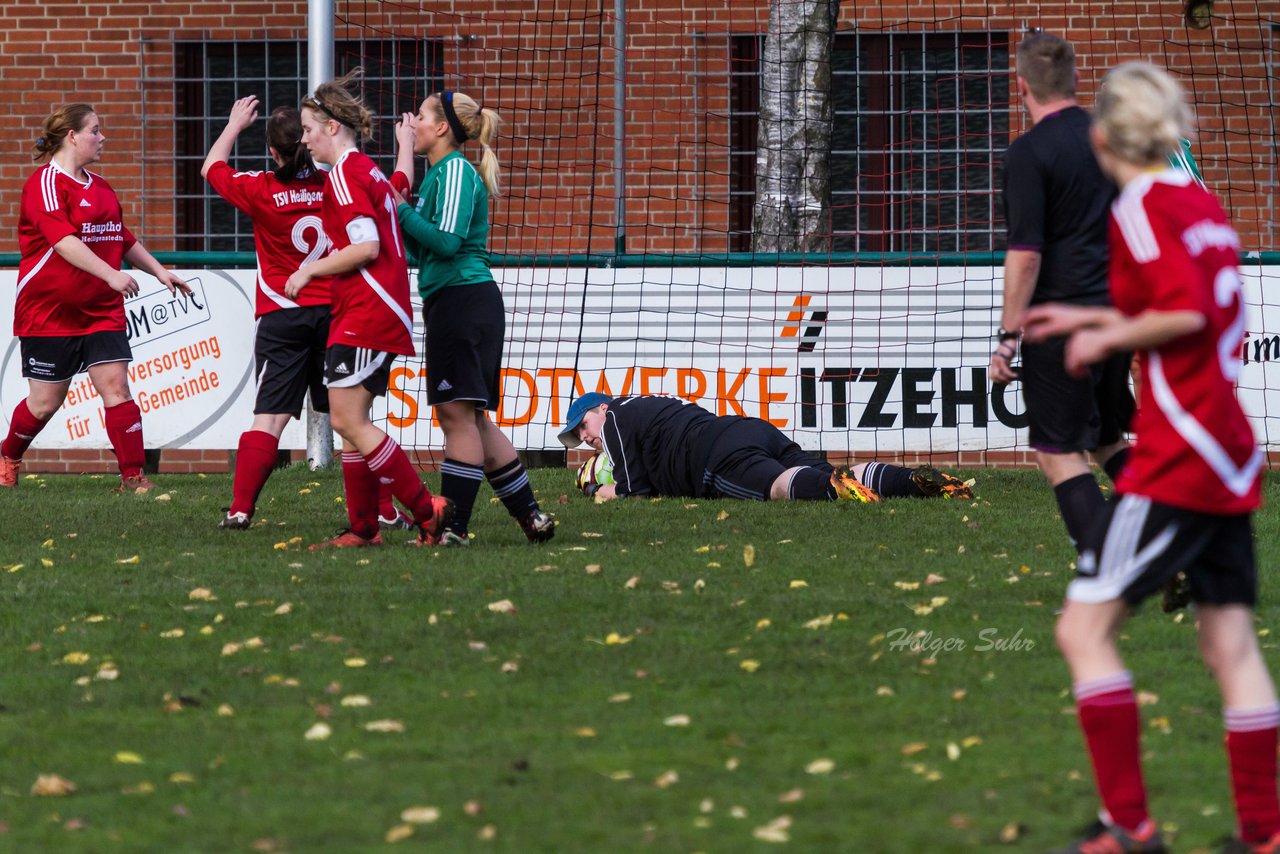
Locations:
{"points": [[793, 182]]}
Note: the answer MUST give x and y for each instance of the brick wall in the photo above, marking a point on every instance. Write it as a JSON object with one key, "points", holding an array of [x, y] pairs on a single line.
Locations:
{"points": [[553, 81]]}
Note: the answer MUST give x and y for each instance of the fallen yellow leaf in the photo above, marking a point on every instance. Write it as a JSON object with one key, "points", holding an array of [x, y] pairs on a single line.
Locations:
{"points": [[820, 766], [131, 560], [798, 583], [748, 555], [400, 831], [502, 606], [913, 748], [202, 594], [749, 664], [666, 779], [354, 662], [774, 831], [356, 701], [318, 731], [52, 786], [75, 658], [384, 726], [127, 757], [420, 815], [677, 720]]}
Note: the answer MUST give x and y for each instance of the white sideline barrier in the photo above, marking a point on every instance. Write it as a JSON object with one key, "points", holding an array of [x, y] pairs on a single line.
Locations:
{"points": [[879, 359]]}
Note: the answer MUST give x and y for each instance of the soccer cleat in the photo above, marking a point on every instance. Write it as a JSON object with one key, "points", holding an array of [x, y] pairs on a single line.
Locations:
{"points": [[139, 485], [1239, 846], [1176, 593], [451, 540], [538, 526], [348, 539], [849, 488], [430, 530], [401, 521], [235, 521], [1109, 839], [9, 471], [934, 483]]}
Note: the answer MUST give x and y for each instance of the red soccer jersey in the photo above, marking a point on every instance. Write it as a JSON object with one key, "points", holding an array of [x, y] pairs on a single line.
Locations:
{"points": [[370, 305], [1172, 249], [55, 298], [287, 230]]}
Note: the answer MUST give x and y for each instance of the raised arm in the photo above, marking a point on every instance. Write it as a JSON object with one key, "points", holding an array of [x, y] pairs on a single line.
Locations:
{"points": [[244, 113]]}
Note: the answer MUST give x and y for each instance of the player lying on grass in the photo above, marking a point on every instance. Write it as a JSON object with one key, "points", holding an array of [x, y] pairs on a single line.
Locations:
{"points": [[668, 446], [1185, 497]]}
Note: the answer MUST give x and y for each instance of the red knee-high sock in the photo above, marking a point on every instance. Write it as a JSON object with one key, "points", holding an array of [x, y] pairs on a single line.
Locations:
{"points": [[362, 494], [255, 459], [1108, 712], [386, 501], [391, 465], [124, 429], [23, 429], [1251, 749]]}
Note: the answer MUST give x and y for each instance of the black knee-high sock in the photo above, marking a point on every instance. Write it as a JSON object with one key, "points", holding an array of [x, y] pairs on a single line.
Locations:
{"points": [[1115, 464], [459, 482], [810, 484], [511, 484], [891, 481], [1080, 501]]}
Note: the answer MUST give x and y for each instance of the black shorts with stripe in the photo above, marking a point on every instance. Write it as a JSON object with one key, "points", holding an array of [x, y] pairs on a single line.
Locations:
{"points": [[1137, 545], [1065, 414], [58, 358], [289, 353], [747, 458], [347, 367], [465, 326]]}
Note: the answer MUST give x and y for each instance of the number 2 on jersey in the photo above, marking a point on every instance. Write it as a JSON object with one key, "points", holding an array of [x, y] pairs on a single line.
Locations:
{"points": [[314, 247]]}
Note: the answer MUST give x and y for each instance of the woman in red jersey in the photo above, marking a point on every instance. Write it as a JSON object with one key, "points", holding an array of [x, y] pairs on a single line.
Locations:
{"points": [[69, 315], [371, 322], [1186, 495], [291, 335]]}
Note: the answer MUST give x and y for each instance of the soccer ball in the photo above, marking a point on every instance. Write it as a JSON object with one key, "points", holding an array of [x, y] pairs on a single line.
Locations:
{"points": [[597, 470]]}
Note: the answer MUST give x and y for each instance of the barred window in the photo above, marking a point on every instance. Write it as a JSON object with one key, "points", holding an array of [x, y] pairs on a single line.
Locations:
{"points": [[211, 75], [921, 123]]}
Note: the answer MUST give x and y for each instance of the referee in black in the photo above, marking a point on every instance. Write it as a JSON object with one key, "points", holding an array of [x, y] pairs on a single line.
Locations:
{"points": [[1056, 206]]}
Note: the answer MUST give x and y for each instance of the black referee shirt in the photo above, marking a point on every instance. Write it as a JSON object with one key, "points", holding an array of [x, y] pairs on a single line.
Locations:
{"points": [[659, 445], [1056, 202]]}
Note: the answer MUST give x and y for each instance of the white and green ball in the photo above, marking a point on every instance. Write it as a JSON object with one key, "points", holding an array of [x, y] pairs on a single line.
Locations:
{"points": [[596, 470]]}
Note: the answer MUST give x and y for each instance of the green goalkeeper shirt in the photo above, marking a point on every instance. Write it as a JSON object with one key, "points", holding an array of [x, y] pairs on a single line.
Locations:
{"points": [[447, 232], [1182, 159]]}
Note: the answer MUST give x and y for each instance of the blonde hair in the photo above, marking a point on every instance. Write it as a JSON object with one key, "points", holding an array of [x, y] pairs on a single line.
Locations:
{"points": [[1048, 64], [481, 124], [1142, 113], [334, 99], [56, 127]]}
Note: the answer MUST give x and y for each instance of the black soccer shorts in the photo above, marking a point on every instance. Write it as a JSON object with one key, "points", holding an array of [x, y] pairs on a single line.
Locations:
{"points": [[347, 367], [747, 458], [289, 352], [1066, 414], [465, 326], [58, 358], [1138, 545]]}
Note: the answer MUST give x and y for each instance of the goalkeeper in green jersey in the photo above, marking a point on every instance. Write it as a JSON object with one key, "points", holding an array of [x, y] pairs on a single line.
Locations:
{"points": [[447, 233]]}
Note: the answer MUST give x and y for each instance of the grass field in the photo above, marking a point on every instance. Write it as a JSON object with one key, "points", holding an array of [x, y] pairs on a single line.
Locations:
{"points": [[675, 677]]}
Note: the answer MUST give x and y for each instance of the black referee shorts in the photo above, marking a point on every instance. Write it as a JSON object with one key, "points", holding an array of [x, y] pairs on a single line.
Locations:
{"points": [[58, 358], [1138, 545], [747, 458], [465, 326], [288, 350], [1066, 414]]}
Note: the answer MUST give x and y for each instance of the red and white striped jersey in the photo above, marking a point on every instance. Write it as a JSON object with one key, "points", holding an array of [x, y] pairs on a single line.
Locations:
{"points": [[370, 305], [1172, 249], [287, 230], [55, 298]]}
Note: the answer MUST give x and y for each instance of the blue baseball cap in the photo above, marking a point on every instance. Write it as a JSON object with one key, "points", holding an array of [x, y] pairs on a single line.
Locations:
{"points": [[573, 417]]}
